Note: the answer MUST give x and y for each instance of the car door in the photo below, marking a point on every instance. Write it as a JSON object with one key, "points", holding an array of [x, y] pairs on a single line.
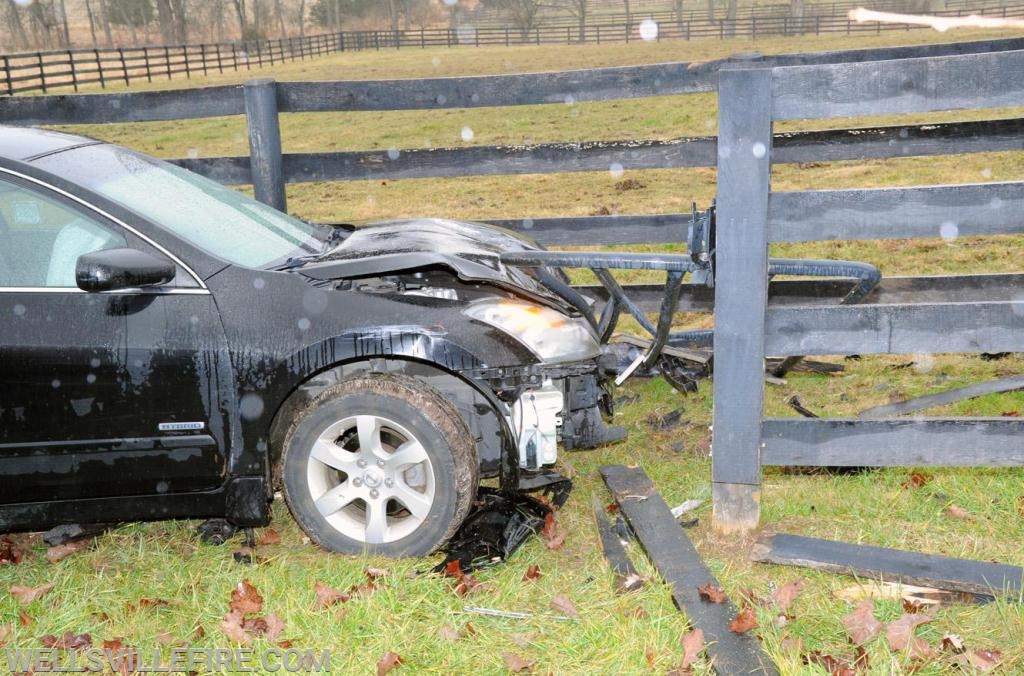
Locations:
{"points": [[103, 394]]}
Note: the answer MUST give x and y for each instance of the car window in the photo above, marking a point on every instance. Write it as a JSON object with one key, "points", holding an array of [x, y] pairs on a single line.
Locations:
{"points": [[41, 238], [212, 217]]}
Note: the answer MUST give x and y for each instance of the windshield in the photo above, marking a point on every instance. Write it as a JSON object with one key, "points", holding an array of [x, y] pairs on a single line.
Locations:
{"points": [[212, 217]]}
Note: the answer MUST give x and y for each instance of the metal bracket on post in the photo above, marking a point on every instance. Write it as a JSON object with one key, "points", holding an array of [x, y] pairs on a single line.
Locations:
{"points": [[741, 294], [265, 142]]}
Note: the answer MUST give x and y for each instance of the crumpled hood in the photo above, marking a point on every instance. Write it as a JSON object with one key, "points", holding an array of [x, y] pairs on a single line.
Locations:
{"points": [[470, 250]]}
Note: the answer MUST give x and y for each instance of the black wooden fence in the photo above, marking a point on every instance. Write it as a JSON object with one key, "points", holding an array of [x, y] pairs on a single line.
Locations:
{"points": [[751, 215], [47, 71], [752, 93]]}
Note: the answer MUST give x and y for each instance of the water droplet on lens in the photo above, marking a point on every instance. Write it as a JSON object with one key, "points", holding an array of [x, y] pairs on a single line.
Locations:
{"points": [[759, 150], [616, 170], [949, 231], [94, 362], [393, 153], [91, 378], [19, 310], [649, 29], [304, 324], [467, 134], [55, 384], [259, 282], [251, 406]]}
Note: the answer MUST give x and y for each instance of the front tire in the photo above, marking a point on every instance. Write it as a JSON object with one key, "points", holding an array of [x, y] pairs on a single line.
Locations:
{"points": [[382, 464]]}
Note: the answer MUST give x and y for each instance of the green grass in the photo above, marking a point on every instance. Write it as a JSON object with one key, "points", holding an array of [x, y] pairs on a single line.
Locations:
{"points": [[96, 590]]}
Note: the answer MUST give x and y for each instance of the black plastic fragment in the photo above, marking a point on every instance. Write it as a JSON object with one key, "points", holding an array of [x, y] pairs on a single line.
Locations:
{"points": [[499, 524], [65, 533]]}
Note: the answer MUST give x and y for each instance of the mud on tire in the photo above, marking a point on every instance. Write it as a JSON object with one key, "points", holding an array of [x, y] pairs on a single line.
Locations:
{"points": [[379, 463]]}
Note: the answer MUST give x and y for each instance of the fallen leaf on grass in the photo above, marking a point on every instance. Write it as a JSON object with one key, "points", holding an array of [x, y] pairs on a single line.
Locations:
{"points": [[957, 512], [628, 583], [833, 665], [269, 537], [449, 634], [712, 593], [6, 631], [650, 657], [26, 595], [917, 480], [328, 596], [563, 605], [784, 596], [554, 537], [952, 643], [516, 663], [376, 573], [24, 618], [532, 573], [148, 603], [913, 606], [900, 634], [636, 614], [745, 620], [232, 627], [388, 662], [60, 552], [465, 583], [10, 552], [245, 600], [984, 660], [861, 623], [69, 641], [693, 646]]}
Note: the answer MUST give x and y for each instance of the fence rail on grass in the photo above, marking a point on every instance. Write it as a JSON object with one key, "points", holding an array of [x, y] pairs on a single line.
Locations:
{"points": [[47, 71], [964, 313]]}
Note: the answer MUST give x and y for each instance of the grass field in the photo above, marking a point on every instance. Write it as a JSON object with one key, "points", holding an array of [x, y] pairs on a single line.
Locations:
{"points": [[187, 585]]}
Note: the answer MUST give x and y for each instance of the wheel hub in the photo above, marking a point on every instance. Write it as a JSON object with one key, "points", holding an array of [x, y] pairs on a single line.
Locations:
{"points": [[373, 477]]}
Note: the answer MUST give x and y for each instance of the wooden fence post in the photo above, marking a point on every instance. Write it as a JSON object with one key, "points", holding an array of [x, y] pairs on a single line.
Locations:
{"points": [[167, 60], [7, 76], [74, 75], [149, 73], [124, 66], [741, 294], [42, 71], [265, 142], [99, 69]]}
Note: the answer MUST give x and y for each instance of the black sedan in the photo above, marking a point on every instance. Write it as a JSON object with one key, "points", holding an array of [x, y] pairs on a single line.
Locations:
{"points": [[172, 349]]}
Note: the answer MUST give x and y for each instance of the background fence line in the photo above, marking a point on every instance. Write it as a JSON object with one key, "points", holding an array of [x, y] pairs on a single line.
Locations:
{"points": [[47, 71]]}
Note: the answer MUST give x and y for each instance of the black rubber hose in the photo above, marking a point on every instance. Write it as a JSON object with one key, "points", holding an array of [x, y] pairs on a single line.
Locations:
{"points": [[571, 295], [868, 277]]}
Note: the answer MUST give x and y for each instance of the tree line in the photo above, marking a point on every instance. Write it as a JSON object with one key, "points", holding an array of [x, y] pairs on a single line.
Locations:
{"points": [[29, 25]]}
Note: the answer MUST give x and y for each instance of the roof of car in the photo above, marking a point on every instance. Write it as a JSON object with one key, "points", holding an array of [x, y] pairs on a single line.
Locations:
{"points": [[27, 143]]}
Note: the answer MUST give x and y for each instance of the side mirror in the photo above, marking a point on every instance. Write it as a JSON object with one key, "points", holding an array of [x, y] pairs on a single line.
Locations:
{"points": [[116, 269]]}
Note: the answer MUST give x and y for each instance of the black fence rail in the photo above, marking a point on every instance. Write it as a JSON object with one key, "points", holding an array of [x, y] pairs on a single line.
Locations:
{"points": [[71, 69], [971, 313], [751, 215]]}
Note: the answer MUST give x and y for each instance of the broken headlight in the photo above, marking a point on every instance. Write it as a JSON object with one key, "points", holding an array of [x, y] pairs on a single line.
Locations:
{"points": [[551, 335]]}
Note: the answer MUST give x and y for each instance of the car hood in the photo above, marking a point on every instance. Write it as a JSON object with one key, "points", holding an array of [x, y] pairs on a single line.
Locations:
{"points": [[470, 250]]}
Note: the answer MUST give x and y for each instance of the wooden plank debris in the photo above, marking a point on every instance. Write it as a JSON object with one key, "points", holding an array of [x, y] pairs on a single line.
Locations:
{"points": [[680, 565], [891, 565]]}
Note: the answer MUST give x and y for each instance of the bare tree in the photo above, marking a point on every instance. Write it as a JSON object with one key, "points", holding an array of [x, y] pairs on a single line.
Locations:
{"points": [[105, 20], [578, 8], [523, 13], [16, 29]]}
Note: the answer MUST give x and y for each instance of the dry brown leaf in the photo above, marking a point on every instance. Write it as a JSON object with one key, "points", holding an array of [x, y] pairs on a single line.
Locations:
{"points": [[650, 657], [712, 593], [516, 663], [532, 573], [328, 596], [60, 552], [6, 632], [693, 646], [861, 623], [553, 536], [24, 618], [245, 600], [917, 480], [784, 596], [449, 634], [388, 662], [745, 620], [26, 595], [164, 638], [269, 537], [69, 641], [10, 552], [563, 605], [629, 583], [952, 643], [900, 634], [376, 574], [833, 665], [984, 660], [957, 512], [275, 626], [232, 627]]}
